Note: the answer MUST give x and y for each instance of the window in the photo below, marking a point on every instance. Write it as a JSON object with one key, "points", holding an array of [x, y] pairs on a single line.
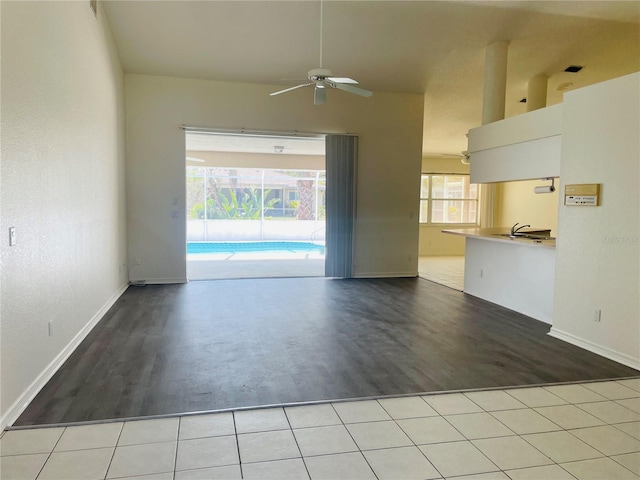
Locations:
{"points": [[448, 199]]}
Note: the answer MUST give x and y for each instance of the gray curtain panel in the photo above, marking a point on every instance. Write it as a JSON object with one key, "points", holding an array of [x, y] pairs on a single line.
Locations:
{"points": [[341, 164]]}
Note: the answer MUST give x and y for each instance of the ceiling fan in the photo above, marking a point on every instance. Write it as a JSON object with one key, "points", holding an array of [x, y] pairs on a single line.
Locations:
{"points": [[322, 78], [463, 156]]}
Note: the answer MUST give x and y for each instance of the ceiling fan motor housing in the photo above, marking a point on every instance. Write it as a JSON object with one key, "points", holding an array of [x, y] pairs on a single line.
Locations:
{"points": [[319, 74]]}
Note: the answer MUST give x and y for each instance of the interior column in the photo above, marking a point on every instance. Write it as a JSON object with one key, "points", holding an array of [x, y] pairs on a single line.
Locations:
{"points": [[537, 92], [493, 109]]}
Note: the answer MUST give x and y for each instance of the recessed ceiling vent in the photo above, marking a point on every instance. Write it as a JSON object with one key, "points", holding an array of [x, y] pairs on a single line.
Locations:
{"points": [[573, 68]]}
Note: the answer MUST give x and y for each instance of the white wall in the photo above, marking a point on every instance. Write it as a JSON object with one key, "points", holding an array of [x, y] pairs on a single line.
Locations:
{"points": [[515, 275], [390, 131], [598, 249], [62, 177]]}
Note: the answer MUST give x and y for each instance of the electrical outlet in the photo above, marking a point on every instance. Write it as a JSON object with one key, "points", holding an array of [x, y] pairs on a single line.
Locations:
{"points": [[136, 261], [597, 315]]}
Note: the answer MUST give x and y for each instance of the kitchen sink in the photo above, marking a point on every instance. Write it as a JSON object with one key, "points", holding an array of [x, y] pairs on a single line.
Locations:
{"points": [[528, 235]]}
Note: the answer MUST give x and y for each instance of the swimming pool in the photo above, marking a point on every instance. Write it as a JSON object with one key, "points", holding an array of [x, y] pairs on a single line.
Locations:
{"points": [[247, 247]]}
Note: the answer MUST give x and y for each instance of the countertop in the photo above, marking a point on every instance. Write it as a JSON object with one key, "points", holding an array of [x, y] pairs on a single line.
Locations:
{"points": [[495, 235]]}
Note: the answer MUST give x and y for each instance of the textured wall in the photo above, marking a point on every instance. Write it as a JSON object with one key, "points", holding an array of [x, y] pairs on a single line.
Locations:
{"points": [[598, 254], [62, 177]]}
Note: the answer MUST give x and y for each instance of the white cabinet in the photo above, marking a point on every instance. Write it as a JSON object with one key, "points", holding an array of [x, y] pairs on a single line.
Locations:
{"points": [[523, 147]]}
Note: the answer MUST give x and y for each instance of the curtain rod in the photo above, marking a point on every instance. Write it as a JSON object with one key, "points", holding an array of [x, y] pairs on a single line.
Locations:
{"points": [[269, 133], [247, 131]]}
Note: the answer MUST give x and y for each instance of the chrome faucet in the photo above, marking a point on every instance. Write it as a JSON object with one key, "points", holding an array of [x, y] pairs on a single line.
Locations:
{"points": [[515, 230]]}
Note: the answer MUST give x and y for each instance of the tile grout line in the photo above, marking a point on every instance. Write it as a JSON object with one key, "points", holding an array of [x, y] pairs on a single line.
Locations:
{"points": [[114, 450], [411, 439], [570, 432], [522, 436], [468, 439], [354, 440], [604, 455], [175, 458], [235, 433], [51, 453], [517, 434], [295, 439]]}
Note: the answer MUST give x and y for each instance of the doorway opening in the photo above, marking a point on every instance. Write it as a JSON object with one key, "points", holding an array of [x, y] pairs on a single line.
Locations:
{"points": [[447, 201], [255, 205]]}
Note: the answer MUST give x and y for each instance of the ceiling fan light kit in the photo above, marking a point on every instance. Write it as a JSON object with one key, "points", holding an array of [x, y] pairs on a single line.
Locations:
{"points": [[322, 78]]}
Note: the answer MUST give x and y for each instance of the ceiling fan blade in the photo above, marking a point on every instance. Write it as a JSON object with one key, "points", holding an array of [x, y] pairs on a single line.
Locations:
{"points": [[351, 89], [347, 80], [319, 95], [292, 88]]}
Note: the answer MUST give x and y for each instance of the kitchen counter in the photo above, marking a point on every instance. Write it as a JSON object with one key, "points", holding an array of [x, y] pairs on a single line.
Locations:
{"points": [[497, 235], [517, 273]]}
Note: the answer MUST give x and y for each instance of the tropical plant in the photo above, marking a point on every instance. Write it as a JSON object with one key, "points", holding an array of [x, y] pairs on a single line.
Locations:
{"points": [[230, 204], [305, 195], [249, 207]]}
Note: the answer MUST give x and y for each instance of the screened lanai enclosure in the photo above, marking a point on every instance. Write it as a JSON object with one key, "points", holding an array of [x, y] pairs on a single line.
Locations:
{"points": [[256, 206]]}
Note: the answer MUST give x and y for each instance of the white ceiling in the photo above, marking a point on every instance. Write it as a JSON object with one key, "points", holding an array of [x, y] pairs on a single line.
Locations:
{"points": [[435, 48]]}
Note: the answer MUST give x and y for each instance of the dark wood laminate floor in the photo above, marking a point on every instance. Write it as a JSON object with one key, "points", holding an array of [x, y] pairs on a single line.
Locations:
{"points": [[233, 343]]}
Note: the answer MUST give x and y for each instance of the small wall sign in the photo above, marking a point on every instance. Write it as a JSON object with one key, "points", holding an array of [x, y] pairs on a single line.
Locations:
{"points": [[585, 194]]}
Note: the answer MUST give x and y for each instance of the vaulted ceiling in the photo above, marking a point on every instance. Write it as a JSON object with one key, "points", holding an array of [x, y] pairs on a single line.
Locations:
{"points": [[435, 48]]}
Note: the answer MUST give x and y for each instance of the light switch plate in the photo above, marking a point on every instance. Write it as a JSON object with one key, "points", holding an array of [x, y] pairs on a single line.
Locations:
{"points": [[12, 236]]}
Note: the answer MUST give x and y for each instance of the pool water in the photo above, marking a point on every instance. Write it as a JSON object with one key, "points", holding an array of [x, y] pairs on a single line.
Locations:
{"points": [[246, 247]]}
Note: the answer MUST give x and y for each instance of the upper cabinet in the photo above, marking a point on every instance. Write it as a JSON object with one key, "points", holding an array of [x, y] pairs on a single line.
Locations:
{"points": [[523, 147]]}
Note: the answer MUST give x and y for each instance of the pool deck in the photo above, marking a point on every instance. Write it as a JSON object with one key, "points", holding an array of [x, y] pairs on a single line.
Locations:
{"points": [[211, 266]]}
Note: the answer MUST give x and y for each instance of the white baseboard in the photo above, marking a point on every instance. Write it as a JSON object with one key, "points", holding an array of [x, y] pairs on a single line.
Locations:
{"points": [[386, 274], [41, 380], [614, 355], [535, 315], [161, 281]]}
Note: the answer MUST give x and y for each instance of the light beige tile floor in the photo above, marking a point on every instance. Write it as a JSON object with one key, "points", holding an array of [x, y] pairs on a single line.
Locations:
{"points": [[448, 271], [580, 431]]}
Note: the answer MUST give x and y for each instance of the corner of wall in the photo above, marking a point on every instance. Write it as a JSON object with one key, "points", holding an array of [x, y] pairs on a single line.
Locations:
{"points": [[22, 402]]}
